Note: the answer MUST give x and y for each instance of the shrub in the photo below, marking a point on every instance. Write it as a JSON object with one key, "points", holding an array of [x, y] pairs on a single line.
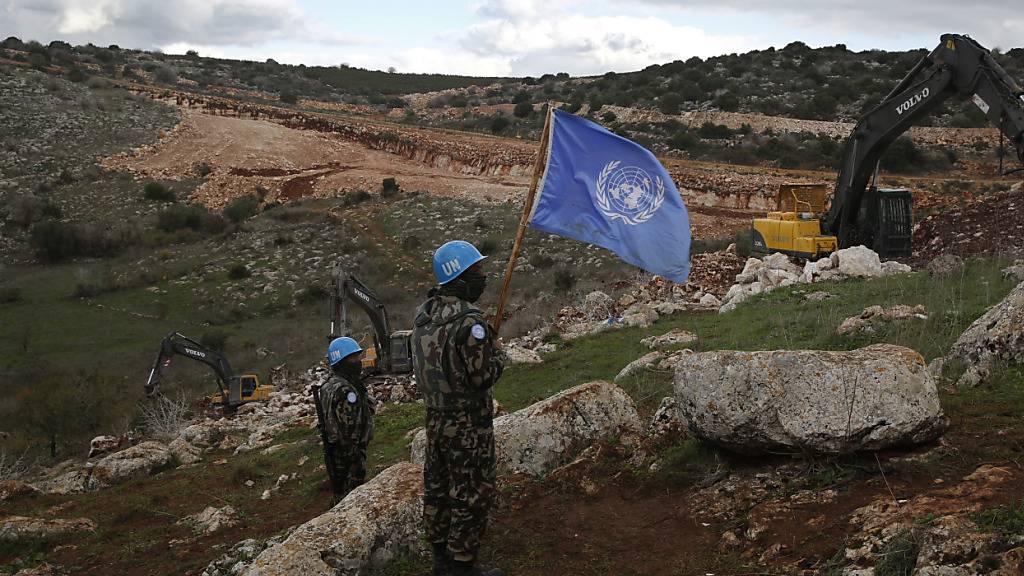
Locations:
{"points": [[54, 241], [241, 208], [488, 246], [193, 216], [165, 74], [522, 110], [389, 187], [499, 123], [204, 169], [541, 261], [712, 131], [158, 191], [164, 418], [313, 293], [77, 75], [10, 294], [238, 271], [353, 197], [565, 280], [214, 339], [669, 103], [609, 116], [744, 242], [289, 97]]}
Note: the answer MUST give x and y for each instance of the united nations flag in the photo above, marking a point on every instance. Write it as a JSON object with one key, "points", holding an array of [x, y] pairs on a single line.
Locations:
{"points": [[601, 188]]}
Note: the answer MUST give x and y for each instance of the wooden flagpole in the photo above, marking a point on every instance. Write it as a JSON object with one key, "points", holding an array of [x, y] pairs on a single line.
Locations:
{"points": [[538, 167]]}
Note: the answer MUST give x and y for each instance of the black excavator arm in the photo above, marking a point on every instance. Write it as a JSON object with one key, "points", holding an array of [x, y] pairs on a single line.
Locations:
{"points": [[176, 343], [346, 286], [959, 66]]}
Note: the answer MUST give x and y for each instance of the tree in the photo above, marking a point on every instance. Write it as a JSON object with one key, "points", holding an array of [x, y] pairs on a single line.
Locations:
{"points": [[499, 124], [523, 109], [669, 103]]}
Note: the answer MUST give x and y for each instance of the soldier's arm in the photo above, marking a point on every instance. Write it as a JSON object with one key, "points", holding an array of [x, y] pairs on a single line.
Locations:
{"points": [[475, 341], [346, 410]]}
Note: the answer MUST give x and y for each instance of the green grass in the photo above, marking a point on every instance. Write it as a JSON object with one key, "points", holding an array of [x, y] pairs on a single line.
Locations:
{"points": [[1007, 521], [779, 320], [899, 556]]}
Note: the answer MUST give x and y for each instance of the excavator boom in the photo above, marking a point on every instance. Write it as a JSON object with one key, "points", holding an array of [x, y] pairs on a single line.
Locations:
{"points": [[234, 390], [392, 349], [958, 66]]}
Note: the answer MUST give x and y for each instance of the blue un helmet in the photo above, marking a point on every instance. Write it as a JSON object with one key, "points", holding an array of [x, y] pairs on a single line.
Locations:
{"points": [[453, 258], [341, 348]]}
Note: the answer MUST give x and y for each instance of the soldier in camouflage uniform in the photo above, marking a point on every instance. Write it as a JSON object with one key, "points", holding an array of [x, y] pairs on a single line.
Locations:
{"points": [[457, 362], [348, 411]]}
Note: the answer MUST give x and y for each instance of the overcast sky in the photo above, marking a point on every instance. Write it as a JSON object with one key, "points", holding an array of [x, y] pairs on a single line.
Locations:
{"points": [[506, 37]]}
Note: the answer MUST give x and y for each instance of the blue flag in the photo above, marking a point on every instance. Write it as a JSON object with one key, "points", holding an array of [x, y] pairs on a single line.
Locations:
{"points": [[603, 189]]}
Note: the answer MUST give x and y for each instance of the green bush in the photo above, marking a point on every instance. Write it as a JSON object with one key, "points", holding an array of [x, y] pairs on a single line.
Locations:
{"points": [[499, 123], [609, 116], [158, 191], [241, 208], [353, 197], [522, 110], [54, 241], [488, 246], [215, 339], [9, 294], [238, 271], [193, 216], [712, 131], [289, 97], [565, 280]]}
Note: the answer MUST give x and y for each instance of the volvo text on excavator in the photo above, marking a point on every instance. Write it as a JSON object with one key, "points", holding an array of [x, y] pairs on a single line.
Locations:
{"points": [[391, 352], [880, 218], [234, 390]]}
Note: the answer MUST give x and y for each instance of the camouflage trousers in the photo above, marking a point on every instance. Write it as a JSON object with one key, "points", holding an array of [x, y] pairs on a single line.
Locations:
{"points": [[458, 478], [349, 468]]}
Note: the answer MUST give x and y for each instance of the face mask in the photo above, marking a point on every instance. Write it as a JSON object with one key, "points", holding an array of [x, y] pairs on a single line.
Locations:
{"points": [[475, 285], [349, 370]]}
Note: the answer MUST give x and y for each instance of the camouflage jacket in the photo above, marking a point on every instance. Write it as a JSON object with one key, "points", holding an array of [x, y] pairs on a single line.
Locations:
{"points": [[348, 410], [454, 356]]}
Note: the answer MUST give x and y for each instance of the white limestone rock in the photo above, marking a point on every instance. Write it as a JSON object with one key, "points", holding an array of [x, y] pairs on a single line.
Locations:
{"points": [[806, 400], [552, 432], [995, 338], [374, 523], [639, 365], [857, 261]]}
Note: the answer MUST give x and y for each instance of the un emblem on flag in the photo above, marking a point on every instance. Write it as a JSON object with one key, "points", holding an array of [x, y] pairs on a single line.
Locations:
{"points": [[628, 193]]}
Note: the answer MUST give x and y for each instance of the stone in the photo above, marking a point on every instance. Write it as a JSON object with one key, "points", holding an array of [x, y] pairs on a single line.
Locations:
{"points": [[809, 401], [598, 305], [371, 525], [211, 519], [184, 452], [1015, 272], [997, 337], [16, 529], [105, 444], [553, 432], [893, 267], [667, 419], [945, 266], [641, 316], [519, 355], [235, 560], [857, 261], [749, 273], [874, 316], [135, 462], [674, 337], [710, 300], [11, 489], [639, 365]]}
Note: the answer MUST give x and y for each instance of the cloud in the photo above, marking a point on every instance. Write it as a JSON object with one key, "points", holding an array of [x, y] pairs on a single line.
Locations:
{"points": [[560, 41], [158, 23], [990, 22]]}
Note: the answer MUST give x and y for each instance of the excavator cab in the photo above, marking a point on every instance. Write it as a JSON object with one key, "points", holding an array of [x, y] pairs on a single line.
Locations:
{"points": [[242, 389], [889, 212]]}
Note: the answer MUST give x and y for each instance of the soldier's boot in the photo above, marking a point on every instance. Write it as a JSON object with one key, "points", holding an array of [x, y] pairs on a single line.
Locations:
{"points": [[467, 568], [442, 560]]}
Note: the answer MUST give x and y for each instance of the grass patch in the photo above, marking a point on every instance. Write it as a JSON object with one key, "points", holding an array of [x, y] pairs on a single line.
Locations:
{"points": [[899, 557], [1007, 521]]}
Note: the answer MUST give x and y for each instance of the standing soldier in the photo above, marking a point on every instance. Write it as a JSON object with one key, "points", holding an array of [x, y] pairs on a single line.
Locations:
{"points": [[457, 362], [345, 410]]}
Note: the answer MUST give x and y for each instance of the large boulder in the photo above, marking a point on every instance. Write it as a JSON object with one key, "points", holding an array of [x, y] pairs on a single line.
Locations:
{"points": [[857, 261], [373, 524], [135, 462], [16, 529], [552, 432], [995, 338], [811, 401]]}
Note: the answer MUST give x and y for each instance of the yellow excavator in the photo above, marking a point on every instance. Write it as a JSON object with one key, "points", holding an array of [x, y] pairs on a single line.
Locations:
{"points": [[794, 228], [234, 389], [881, 219]]}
